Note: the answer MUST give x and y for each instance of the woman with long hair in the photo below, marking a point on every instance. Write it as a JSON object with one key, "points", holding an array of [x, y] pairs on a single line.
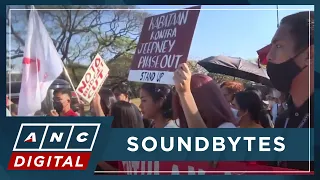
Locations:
{"points": [[124, 116], [156, 105], [251, 111], [102, 103], [199, 102]]}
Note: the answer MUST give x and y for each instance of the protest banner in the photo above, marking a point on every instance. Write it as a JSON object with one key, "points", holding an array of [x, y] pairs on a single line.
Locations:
{"points": [[93, 79], [201, 168], [164, 44]]}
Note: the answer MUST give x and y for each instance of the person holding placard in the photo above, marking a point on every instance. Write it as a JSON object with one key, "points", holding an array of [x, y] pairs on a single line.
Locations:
{"points": [[121, 92], [199, 102], [102, 103]]}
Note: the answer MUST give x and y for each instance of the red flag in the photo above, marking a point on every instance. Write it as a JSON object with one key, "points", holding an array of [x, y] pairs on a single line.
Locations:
{"points": [[262, 53]]}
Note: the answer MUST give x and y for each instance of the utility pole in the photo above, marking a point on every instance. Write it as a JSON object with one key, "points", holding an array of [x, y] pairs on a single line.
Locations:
{"points": [[277, 16]]}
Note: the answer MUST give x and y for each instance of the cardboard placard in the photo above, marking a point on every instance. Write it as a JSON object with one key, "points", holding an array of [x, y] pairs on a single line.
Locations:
{"points": [[164, 44], [93, 79]]}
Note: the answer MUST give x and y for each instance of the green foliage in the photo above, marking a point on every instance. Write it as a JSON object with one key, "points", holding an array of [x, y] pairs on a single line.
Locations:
{"points": [[80, 34]]}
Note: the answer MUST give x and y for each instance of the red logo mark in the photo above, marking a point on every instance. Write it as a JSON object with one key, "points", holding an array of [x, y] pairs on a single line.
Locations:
{"points": [[32, 61]]}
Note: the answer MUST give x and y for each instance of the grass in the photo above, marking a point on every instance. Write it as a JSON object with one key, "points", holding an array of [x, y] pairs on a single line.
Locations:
{"points": [[136, 101]]}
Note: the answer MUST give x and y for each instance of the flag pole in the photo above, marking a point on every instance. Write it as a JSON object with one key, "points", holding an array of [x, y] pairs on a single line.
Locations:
{"points": [[65, 70], [67, 74]]}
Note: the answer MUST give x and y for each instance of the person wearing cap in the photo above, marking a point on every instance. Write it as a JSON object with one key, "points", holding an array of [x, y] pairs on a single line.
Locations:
{"points": [[290, 65]]}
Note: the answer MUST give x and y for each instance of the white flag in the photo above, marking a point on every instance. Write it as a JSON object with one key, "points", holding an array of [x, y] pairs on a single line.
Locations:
{"points": [[41, 66]]}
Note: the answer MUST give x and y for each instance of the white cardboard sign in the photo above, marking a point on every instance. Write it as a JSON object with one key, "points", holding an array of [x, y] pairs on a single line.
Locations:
{"points": [[93, 79]]}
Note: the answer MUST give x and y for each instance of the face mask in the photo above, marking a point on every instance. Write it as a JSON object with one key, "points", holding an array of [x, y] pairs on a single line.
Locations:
{"points": [[57, 106], [240, 117], [235, 112], [281, 75]]}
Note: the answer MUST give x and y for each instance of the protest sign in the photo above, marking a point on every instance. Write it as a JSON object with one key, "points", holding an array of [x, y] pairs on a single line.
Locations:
{"points": [[164, 44], [201, 168], [93, 79]]}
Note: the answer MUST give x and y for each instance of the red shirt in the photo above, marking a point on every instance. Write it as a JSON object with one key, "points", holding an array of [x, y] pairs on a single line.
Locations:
{"points": [[70, 113]]}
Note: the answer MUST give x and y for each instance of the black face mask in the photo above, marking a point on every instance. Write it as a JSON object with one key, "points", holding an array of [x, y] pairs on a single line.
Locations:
{"points": [[57, 106], [282, 75]]}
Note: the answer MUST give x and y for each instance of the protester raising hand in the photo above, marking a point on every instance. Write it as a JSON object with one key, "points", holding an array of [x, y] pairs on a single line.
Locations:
{"points": [[81, 108], [96, 100], [96, 103], [102, 103], [182, 80]]}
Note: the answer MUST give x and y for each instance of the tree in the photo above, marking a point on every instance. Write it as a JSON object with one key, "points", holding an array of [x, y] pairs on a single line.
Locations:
{"points": [[119, 71], [80, 34], [219, 78], [195, 68], [253, 60]]}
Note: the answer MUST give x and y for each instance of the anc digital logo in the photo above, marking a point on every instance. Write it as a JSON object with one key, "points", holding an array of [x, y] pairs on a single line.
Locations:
{"points": [[53, 146]]}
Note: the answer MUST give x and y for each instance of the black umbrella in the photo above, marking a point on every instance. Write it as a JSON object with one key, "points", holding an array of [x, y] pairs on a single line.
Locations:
{"points": [[236, 67]]}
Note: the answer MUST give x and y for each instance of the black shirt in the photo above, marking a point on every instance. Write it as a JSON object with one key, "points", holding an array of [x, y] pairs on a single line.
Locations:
{"points": [[295, 117]]}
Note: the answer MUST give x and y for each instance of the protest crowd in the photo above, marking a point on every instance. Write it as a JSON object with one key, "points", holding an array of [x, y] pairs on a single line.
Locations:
{"points": [[197, 101]]}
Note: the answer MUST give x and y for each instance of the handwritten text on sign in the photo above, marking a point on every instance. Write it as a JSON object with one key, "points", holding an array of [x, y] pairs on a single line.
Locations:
{"points": [[164, 44], [93, 79]]}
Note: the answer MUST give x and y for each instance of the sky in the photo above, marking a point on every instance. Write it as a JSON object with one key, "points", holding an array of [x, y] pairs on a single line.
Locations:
{"points": [[232, 32], [237, 33]]}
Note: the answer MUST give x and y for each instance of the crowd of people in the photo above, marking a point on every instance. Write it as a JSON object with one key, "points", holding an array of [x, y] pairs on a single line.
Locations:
{"points": [[197, 101]]}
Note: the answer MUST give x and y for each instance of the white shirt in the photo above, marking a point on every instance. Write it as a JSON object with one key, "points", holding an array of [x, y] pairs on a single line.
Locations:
{"points": [[235, 114], [227, 125], [173, 124], [176, 124]]}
